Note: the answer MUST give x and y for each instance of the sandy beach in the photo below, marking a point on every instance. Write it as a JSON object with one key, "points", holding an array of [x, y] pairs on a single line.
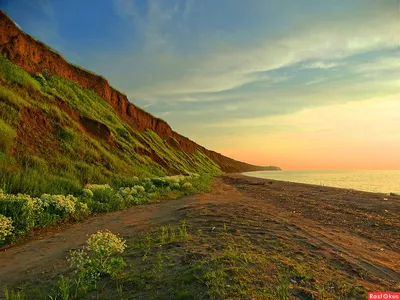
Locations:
{"points": [[354, 235]]}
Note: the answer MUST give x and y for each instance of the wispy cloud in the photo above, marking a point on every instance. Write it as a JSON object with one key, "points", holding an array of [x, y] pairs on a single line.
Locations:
{"points": [[315, 81], [325, 41], [242, 64], [322, 65], [378, 64]]}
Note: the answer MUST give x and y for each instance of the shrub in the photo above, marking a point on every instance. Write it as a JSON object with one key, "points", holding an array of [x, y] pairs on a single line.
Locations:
{"points": [[148, 185], [175, 179], [139, 188], [175, 186], [160, 182], [6, 227], [81, 212], [87, 193], [63, 206], [104, 243], [95, 259], [104, 199], [21, 209], [132, 196], [187, 185]]}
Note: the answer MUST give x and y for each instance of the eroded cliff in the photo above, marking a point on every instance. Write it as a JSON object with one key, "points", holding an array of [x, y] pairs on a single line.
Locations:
{"points": [[36, 57]]}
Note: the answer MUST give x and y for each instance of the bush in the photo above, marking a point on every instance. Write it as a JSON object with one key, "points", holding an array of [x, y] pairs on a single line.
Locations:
{"points": [[160, 182], [148, 185], [21, 209], [87, 193], [187, 185], [28, 212], [82, 211], [133, 196], [59, 205], [97, 258], [103, 200], [6, 227]]}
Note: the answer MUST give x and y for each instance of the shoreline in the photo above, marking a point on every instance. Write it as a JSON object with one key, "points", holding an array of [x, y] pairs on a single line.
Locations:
{"points": [[348, 233], [391, 193]]}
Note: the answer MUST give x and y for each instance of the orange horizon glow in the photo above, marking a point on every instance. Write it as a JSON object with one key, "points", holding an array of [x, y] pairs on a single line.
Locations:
{"points": [[359, 135]]}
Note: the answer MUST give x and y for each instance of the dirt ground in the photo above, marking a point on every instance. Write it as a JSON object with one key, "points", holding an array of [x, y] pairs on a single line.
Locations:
{"points": [[356, 232]]}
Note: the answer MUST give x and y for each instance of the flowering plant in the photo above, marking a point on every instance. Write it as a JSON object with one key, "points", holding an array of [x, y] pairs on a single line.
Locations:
{"points": [[95, 258], [6, 227], [62, 205], [131, 195]]}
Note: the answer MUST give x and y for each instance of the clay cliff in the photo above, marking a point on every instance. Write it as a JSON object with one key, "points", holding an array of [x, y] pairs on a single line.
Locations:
{"points": [[36, 57]]}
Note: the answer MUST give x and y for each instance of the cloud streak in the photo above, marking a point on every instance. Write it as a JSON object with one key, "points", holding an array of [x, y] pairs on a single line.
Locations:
{"points": [[254, 65]]}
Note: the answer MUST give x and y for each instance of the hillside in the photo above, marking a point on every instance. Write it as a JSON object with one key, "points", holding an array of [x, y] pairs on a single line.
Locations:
{"points": [[62, 126]]}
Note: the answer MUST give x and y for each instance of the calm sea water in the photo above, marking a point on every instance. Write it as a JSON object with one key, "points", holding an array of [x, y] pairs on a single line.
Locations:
{"points": [[371, 181]]}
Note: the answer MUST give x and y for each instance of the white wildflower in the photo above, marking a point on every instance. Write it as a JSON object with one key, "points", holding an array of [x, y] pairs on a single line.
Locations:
{"points": [[105, 243], [6, 227], [61, 203]]}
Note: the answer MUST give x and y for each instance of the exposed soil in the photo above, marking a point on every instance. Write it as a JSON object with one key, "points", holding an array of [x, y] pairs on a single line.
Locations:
{"points": [[356, 232], [35, 57]]}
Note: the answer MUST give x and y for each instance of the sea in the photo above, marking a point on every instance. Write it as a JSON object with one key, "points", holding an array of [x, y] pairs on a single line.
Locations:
{"points": [[379, 181]]}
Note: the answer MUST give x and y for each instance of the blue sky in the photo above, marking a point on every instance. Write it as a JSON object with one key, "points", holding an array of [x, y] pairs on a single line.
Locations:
{"points": [[239, 76]]}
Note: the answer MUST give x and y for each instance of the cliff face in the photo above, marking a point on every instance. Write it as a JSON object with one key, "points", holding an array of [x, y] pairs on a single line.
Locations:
{"points": [[35, 57]]}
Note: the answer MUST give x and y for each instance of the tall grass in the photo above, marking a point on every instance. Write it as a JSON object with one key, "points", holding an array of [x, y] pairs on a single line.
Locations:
{"points": [[28, 212], [62, 157], [7, 135], [14, 74]]}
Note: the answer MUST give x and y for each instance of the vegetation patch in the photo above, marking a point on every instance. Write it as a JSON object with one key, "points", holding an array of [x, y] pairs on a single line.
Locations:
{"points": [[7, 136], [180, 261], [79, 137], [27, 213]]}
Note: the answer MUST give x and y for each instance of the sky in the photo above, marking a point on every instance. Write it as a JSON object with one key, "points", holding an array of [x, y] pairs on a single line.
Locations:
{"points": [[305, 84]]}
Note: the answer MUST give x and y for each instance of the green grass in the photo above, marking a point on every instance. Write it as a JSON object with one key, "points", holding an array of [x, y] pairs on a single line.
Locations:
{"points": [[39, 120], [7, 136], [164, 264], [12, 98], [14, 74], [27, 212]]}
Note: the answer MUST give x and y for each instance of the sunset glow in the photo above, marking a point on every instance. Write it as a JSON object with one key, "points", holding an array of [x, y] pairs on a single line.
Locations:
{"points": [[301, 86]]}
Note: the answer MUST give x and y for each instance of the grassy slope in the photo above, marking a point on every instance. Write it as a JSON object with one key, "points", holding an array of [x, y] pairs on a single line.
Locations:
{"points": [[44, 147]]}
